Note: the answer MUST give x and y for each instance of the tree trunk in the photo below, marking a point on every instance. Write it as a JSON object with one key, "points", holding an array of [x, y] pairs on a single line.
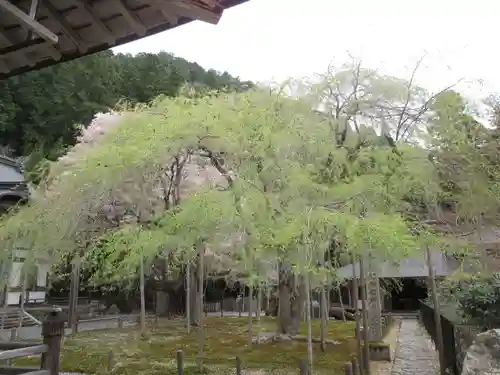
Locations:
{"points": [[309, 328], [250, 336], [73, 294], [324, 317], [268, 300], [188, 297], [23, 295], [194, 300], [342, 308], [201, 333], [291, 301], [259, 297], [143, 296]]}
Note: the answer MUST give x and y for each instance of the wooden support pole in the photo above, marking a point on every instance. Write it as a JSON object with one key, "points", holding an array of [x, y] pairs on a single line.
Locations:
{"points": [[355, 290], [180, 362], [52, 332], [366, 342], [238, 366], [437, 314]]}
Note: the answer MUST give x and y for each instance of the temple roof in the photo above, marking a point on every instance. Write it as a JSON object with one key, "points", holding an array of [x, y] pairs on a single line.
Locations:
{"points": [[411, 267], [39, 33]]}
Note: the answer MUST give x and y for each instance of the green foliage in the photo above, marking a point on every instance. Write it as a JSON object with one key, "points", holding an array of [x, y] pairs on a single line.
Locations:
{"points": [[283, 182], [478, 298], [465, 159], [39, 109]]}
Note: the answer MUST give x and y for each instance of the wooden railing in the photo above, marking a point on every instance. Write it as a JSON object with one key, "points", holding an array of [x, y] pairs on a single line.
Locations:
{"points": [[14, 318], [50, 349]]}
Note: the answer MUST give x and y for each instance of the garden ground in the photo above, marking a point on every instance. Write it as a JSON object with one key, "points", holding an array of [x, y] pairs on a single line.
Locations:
{"points": [[225, 338]]}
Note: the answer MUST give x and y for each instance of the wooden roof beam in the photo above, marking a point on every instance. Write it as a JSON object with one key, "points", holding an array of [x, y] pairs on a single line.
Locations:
{"points": [[197, 12], [21, 57], [33, 11], [28, 22], [211, 3], [169, 12], [4, 68], [65, 26], [110, 37], [131, 18]]}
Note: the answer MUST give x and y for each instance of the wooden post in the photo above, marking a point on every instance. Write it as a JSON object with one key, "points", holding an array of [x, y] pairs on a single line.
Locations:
{"points": [[302, 367], [111, 361], [355, 366], [238, 366], [240, 306], [366, 342], [355, 297], [180, 362], [13, 337], [348, 368], [52, 332], [437, 314]]}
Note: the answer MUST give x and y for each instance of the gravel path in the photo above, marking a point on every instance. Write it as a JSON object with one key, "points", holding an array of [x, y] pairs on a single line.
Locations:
{"points": [[415, 353]]}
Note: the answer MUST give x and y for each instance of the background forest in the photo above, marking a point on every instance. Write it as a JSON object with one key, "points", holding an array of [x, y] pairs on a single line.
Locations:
{"points": [[41, 112]]}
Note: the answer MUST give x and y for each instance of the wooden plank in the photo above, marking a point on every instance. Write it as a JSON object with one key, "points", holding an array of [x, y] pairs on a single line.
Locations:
{"points": [[4, 370], [9, 345], [65, 27], [23, 352], [197, 12], [131, 18], [38, 372], [28, 22], [108, 34]]}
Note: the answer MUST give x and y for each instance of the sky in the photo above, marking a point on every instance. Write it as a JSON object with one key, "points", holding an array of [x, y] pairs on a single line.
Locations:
{"points": [[271, 40]]}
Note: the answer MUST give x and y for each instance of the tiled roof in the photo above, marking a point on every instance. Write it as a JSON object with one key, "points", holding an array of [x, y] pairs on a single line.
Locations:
{"points": [[411, 267]]}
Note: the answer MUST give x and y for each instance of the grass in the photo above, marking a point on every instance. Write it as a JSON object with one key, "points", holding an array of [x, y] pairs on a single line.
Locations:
{"points": [[225, 338]]}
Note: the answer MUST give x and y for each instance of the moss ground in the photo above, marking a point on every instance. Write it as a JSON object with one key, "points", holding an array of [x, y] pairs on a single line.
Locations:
{"points": [[225, 338]]}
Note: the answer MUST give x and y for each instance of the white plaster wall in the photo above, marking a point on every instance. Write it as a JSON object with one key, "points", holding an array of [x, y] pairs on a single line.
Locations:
{"points": [[15, 275], [13, 298], [41, 277], [39, 297]]}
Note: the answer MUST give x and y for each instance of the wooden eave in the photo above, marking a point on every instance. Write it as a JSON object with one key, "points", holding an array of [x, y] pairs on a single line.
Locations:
{"points": [[38, 33]]}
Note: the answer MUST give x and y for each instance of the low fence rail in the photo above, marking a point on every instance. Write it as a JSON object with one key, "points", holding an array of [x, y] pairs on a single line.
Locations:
{"points": [[49, 349], [457, 337]]}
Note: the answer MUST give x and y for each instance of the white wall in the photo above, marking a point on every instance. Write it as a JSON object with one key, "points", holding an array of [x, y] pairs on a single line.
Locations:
{"points": [[38, 297], [13, 298], [41, 277], [15, 275]]}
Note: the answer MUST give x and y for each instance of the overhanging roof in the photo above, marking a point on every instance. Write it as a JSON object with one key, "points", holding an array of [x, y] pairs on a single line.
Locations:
{"points": [[38, 33], [411, 267]]}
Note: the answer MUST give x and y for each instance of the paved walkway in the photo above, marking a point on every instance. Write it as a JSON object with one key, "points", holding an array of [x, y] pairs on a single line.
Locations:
{"points": [[415, 352]]}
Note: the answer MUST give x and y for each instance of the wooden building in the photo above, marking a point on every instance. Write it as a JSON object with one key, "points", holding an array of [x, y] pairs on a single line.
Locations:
{"points": [[13, 192], [39, 33], [403, 283]]}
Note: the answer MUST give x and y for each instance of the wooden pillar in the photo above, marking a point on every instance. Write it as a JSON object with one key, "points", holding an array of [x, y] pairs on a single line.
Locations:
{"points": [[52, 332]]}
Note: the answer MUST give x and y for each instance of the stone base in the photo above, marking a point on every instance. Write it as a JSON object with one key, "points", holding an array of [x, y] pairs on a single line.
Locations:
{"points": [[380, 351]]}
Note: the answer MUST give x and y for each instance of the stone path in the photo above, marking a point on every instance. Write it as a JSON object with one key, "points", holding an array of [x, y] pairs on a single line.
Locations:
{"points": [[415, 352]]}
